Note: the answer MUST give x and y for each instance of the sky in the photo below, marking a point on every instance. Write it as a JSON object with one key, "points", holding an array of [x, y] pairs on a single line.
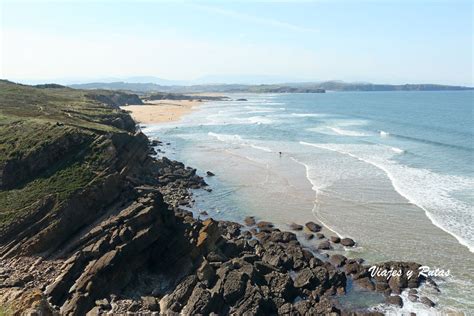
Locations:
{"points": [[392, 42]]}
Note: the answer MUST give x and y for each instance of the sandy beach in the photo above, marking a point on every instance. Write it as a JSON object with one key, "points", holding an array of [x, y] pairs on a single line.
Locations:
{"points": [[161, 111]]}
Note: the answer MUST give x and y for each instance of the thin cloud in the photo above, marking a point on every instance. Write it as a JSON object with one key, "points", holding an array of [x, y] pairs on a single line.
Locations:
{"points": [[257, 19]]}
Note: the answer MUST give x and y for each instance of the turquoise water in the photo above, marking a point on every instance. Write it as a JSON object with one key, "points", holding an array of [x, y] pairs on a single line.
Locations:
{"points": [[391, 169]]}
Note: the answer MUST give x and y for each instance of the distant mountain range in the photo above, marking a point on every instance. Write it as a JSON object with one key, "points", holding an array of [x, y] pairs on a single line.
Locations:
{"points": [[141, 86]]}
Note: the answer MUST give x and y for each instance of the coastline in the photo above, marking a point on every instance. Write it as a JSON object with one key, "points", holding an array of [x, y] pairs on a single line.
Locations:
{"points": [[161, 111], [245, 143], [125, 242]]}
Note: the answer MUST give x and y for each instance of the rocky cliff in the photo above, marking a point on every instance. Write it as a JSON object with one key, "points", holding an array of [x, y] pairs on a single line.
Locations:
{"points": [[92, 223]]}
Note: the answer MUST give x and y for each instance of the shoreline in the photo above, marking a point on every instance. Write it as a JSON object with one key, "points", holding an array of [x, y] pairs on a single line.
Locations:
{"points": [[125, 242], [318, 221], [161, 111], [333, 250]]}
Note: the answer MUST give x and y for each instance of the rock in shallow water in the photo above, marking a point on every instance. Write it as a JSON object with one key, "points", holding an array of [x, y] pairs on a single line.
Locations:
{"points": [[426, 301], [308, 236], [394, 300], [324, 245], [313, 227], [294, 226], [320, 235], [249, 221], [337, 260], [347, 242]]}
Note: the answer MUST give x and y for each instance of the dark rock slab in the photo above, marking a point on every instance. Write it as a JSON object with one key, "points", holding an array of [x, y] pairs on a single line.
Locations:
{"points": [[313, 227], [347, 242]]}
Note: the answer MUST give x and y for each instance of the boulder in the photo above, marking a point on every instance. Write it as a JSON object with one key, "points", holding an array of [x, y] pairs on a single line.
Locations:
{"points": [[264, 268], [294, 226], [104, 304], [381, 287], [281, 285], [335, 239], [282, 237], [286, 309], [201, 301], [324, 245], [337, 260], [206, 274], [320, 236], [208, 235], [305, 279], [365, 283], [234, 286], [308, 236], [264, 224], [426, 301], [397, 283], [352, 267], [180, 294], [313, 227], [249, 221], [347, 242], [394, 300], [216, 257], [253, 303], [325, 307], [210, 174], [151, 303]]}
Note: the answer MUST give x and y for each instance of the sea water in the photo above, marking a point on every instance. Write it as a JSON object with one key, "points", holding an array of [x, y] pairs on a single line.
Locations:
{"points": [[393, 170]]}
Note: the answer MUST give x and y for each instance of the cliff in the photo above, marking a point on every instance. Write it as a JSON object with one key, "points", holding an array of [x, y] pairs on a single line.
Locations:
{"points": [[91, 223]]}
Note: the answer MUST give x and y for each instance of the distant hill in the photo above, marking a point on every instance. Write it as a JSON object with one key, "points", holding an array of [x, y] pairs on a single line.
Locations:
{"points": [[303, 87]]}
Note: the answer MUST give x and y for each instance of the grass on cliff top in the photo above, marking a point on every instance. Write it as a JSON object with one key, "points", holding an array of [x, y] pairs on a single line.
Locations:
{"points": [[33, 118], [54, 105]]}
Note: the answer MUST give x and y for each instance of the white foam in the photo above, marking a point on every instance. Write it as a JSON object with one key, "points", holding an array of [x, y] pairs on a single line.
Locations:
{"points": [[384, 134], [261, 111], [260, 108], [309, 114], [430, 191], [237, 139], [340, 127], [408, 307], [226, 137], [316, 187], [346, 132], [261, 148], [260, 120], [397, 150]]}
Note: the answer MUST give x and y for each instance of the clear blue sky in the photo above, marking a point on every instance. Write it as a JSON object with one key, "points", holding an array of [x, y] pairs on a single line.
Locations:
{"points": [[378, 41]]}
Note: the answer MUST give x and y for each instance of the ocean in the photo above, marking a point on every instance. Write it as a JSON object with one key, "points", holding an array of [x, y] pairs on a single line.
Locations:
{"points": [[393, 170]]}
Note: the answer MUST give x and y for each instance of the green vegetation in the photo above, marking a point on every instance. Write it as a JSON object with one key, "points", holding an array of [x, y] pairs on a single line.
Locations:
{"points": [[58, 125], [5, 311]]}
